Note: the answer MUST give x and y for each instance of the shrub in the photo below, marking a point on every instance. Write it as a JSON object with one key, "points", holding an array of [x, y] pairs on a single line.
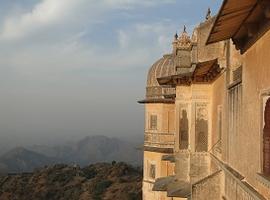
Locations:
{"points": [[101, 186], [132, 196], [89, 173]]}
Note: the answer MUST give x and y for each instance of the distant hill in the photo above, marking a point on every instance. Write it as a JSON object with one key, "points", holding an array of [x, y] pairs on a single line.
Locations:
{"points": [[61, 182], [23, 160], [100, 148], [93, 149], [87, 151]]}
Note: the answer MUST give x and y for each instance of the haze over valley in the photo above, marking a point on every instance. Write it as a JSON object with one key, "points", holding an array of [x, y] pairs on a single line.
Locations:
{"points": [[89, 150]]}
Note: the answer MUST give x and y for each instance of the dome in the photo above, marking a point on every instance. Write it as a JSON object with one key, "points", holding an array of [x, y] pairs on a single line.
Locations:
{"points": [[167, 66], [163, 67]]}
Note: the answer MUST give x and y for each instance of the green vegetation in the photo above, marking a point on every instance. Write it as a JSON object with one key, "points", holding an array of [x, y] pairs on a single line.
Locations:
{"points": [[100, 188], [61, 182]]}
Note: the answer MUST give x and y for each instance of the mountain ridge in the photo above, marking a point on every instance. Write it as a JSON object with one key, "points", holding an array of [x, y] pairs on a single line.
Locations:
{"points": [[89, 150], [21, 159]]}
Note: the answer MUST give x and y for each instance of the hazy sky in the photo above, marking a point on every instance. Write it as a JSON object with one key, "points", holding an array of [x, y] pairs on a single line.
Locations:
{"points": [[75, 67]]}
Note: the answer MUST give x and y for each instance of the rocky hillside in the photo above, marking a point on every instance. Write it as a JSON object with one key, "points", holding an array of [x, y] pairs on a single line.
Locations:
{"points": [[62, 182]]}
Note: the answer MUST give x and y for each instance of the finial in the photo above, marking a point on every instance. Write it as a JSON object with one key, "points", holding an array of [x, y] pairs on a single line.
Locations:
{"points": [[176, 36], [185, 29], [208, 14]]}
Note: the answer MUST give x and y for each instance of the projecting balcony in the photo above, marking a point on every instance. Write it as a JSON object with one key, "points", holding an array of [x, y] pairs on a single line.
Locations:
{"points": [[194, 166], [159, 140], [191, 169]]}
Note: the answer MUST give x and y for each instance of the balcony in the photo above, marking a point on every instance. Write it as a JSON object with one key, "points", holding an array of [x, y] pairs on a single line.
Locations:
{"points": [[191, 169], [159, 140], [193, 166]]}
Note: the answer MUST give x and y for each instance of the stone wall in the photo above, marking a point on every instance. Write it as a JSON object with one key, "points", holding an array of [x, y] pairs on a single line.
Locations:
{"points": [[193, 126], [162, 169], [236, 189], [193, 166], [208, 188], [255, 86], [219, 113], [165, 117], [162, 137], [227, 114]]}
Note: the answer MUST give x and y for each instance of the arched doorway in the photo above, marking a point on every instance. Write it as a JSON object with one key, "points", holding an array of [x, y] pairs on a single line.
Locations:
{"points": [[266, 139]]}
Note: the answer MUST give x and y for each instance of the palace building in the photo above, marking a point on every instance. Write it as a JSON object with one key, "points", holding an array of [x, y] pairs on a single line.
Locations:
{"points": [[207, 110]]}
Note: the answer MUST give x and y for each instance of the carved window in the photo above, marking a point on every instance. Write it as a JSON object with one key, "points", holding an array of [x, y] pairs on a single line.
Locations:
{"points": [[266, 139], [153, 122], [201, 128], [237, 74], [152, 171]]}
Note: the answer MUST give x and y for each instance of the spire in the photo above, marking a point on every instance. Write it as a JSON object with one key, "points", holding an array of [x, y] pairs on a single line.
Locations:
{"points": [[208, 14], [185, 29], [184, 39], [175, 42], [181, 41]]}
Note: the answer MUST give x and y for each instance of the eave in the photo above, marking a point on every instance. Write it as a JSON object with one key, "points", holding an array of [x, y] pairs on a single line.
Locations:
{"points": [[169, 157], [173, 187], [204, 73], [243, 21], [158, 149], [160, 100]]}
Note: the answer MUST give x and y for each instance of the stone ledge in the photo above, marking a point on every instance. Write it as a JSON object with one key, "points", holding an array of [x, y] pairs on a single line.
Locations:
{"points": [[158, 149], [263, 179], [170, 158], [149, 182]]}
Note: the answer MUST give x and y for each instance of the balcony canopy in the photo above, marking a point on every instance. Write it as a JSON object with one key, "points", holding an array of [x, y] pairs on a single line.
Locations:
{"points": [[204, 72], [243, 21], [173, 187], [160, 100]]}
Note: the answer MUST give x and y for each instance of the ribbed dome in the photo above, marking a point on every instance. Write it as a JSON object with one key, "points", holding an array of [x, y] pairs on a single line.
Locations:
{"points": [[163, 67]]}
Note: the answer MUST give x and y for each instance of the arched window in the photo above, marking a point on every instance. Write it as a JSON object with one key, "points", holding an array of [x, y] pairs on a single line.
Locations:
{"points": [[266, 139]]}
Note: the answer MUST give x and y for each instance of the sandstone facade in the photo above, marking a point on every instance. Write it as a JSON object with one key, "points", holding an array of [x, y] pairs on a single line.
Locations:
{"points": [[207, 110]]}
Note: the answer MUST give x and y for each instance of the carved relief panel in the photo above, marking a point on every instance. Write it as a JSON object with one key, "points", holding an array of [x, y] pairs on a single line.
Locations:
{"points": [[152, 171], [201, 127], [183, 127]]}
